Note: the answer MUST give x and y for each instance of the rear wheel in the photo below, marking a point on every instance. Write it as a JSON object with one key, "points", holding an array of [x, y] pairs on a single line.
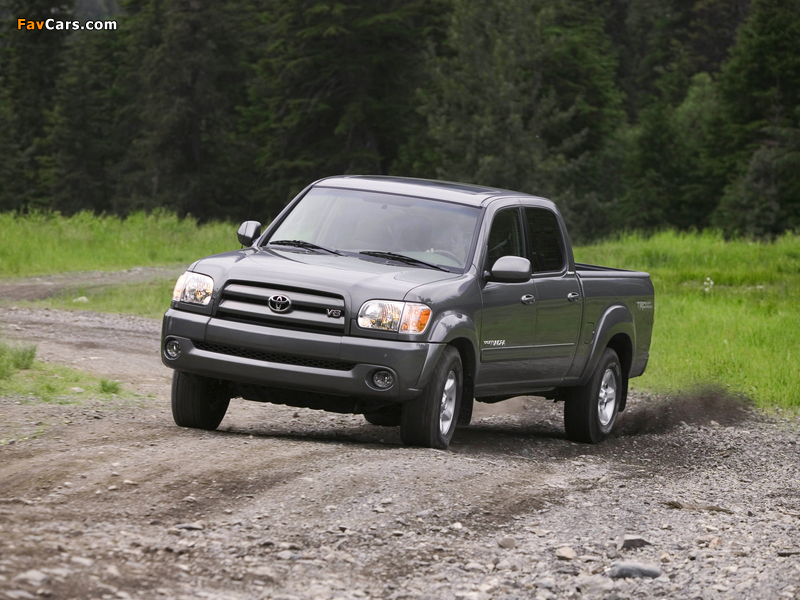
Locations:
{"points": [[590, 410], [430, 419], [197, 402]]}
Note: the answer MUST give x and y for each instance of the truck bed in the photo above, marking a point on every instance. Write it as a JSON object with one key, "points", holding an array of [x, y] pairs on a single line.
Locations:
{"points": [[597, 270], [605, 287]]}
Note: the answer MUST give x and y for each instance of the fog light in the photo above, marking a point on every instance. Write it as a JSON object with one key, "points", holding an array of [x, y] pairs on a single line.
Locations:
{"points": [[383, 380], [172, 349]]}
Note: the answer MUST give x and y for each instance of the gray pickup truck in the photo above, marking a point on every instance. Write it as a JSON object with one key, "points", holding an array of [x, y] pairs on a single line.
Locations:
{"points": [[404, 300]]}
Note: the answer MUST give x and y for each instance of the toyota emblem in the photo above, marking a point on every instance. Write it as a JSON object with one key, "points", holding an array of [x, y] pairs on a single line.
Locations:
{"points": [[279, 303]]}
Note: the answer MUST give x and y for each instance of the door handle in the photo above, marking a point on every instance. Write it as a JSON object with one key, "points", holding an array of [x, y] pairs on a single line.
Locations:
{"points": [[573, 296], [528, 299]]}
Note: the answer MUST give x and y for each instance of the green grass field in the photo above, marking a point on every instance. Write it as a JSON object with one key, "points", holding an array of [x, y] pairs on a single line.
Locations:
{"points": [[47, 243], [148, 299], [726, 312]]}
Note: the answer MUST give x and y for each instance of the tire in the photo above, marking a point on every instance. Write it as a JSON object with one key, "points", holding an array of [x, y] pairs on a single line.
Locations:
{"points": [[387, 417], [465, 412], [197, 402], [430, 419], [590, 410]]}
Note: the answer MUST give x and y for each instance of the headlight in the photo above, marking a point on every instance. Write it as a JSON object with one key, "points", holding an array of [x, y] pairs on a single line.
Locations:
{"points": [[178, 289], [193, 288], [405, 317]]}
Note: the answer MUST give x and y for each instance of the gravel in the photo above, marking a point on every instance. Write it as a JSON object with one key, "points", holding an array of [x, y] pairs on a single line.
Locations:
{"points": [[319, 505]]}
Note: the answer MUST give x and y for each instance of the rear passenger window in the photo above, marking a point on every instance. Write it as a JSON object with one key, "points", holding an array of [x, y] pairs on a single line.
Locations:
{"points": [[547, 245]]}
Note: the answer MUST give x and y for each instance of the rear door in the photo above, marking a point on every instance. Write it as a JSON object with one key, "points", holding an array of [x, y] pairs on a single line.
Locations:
{"points": [[558, 297]]}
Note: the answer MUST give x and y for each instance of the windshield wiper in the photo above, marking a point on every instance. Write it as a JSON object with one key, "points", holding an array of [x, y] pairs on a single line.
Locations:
{"points": [[409, 260], [302, 244]]}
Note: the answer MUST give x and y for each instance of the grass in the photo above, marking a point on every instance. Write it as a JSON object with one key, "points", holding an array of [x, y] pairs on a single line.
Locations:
{"points": [[47, 243], [726, 312], [110, 387], [24, 377], [148, 299], [15, 358]]}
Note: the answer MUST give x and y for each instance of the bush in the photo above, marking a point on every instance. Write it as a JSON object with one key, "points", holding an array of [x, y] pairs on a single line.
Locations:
{"points": [[15, 358], [22, 357], [110, 387], [6, 369]]}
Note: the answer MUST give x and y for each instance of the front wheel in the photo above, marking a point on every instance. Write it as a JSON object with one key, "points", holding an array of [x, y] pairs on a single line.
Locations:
{"points": [[430, 419], [197, 402], [590, 410]]}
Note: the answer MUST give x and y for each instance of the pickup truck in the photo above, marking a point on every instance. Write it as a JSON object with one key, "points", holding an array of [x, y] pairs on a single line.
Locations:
{"points": [[405, 300]]}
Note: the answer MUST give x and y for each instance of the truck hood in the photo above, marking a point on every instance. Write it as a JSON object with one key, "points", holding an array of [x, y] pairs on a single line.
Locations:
{"points": [[356, 279]]}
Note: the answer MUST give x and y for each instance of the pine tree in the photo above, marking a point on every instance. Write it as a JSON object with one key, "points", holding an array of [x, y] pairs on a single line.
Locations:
{"points": [[695, 123], [765, 200], [334, 91], [96, 9], [185, 72], [760, 99], [712, 32], [525, 99], [9, 152], [30, 65], [670, 175], [84, 145]]}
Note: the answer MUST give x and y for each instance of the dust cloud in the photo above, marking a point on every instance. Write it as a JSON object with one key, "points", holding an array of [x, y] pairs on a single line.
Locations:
{"points": [[698, 407]]}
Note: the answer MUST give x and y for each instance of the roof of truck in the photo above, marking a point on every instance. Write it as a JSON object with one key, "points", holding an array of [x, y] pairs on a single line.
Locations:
{"points": [[462, 193]]}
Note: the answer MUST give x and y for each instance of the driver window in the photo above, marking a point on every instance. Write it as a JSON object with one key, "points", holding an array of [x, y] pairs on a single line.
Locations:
{"points": [[505, 237]]}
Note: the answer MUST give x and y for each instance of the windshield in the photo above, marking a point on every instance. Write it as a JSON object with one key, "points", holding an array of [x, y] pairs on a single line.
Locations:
{"points": [[438, 233]]}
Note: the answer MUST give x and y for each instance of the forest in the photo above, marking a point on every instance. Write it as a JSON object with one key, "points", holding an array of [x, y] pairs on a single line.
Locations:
{"points": [[631, 114]]}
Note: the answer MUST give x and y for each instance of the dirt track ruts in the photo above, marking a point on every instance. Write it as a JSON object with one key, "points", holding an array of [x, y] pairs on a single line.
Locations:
{"points": [[112, 500]]}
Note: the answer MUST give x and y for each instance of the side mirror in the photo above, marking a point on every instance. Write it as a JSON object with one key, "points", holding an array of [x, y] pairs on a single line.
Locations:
{"points": [[248, 231], [511, 269]]}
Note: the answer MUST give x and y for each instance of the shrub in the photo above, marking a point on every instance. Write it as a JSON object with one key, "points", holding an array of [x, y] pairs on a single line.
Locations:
{"points": [[22, 357], [110, 387], [6, 369]]}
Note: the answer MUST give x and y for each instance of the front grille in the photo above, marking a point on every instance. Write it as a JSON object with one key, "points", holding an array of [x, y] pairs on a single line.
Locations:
{"points": [[284, 359], [311, 310]]}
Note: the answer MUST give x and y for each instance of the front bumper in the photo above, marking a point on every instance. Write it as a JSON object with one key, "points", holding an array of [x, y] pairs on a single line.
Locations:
{"points": [[297, 360]]}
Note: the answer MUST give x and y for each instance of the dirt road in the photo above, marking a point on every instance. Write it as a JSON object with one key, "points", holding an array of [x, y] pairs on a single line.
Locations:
{"points": [[111, 500]]}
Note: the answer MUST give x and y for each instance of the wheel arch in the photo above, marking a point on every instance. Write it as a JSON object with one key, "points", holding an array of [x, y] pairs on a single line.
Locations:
{"points": [[458, 330], [466, 350], [615, 330]]}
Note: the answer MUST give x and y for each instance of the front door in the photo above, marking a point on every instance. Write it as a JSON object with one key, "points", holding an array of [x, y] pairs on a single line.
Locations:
{"points": [[508, 318]]}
